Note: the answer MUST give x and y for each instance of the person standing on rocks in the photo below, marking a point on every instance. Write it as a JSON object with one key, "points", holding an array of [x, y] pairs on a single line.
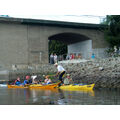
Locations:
{"points": [[51, 58], [93, 56], [61, 72], [55, 58]]}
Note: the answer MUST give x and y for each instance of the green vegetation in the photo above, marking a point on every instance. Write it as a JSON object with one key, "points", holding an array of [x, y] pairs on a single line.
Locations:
{"points": [[57, 47], [112, 32]]}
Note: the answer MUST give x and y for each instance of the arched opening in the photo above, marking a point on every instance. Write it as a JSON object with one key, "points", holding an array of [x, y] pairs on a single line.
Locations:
{"points": [[77, 44], [68, 38]]}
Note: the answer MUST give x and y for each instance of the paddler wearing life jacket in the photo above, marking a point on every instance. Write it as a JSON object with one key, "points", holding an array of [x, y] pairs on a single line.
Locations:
{"points": [[27, 80], [61, 72], [47, 80], [17, 81], [68, 80]]}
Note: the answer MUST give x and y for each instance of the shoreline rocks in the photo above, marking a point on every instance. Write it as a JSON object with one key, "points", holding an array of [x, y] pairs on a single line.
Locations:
{"points": [[105, 73]]}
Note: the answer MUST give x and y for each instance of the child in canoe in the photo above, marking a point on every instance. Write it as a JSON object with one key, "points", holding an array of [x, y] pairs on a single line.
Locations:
{"points": [[47, 80]]}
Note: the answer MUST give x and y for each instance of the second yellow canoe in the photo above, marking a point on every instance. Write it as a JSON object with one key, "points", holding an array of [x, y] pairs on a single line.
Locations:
{"points": [[77, 87]]}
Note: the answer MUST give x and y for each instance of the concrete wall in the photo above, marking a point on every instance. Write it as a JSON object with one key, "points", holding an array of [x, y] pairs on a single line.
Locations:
{"points": [[13, 44], [22, 44], [100, 52], [84, 47], [38, 45]]}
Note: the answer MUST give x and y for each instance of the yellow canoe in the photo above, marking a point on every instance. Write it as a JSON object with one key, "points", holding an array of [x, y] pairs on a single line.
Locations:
{"points": [[55, 85], [77, 87], [49, 86], [16, 86]]}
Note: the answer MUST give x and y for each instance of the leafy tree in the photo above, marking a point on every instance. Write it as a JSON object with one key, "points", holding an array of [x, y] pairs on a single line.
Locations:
{"points": [[112, 32], [57, 47]]}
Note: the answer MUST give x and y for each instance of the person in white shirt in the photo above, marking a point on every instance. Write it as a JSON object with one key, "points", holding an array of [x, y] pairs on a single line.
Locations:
{"points": [[33, 77], [51, 58], [55, 58], [61, 71]]}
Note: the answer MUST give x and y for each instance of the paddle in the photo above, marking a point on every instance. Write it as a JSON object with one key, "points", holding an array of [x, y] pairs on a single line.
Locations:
{"points": [[50, 75]]}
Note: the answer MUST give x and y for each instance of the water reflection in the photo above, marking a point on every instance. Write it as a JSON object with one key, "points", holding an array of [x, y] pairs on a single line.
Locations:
{"points": [[34, 95], [61, 98], [26, 95], [58, 97], [41, 96], [90, 92], [107, 97]]}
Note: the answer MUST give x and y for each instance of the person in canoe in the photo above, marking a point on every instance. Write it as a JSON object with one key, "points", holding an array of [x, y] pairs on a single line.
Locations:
{"points": [[34, 81], [27, 80], [47, 80], [61, 72], [68, 80], [17, 81]]}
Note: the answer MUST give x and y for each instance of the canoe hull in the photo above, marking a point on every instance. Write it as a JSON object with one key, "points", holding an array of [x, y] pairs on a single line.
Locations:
{"points": [[77, 87], [15, 86], [49, 86], [55, 85]]}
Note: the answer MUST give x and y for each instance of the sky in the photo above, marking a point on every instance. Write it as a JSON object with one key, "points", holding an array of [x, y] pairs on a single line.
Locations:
{"points": [[69, 18], [63, 10]]}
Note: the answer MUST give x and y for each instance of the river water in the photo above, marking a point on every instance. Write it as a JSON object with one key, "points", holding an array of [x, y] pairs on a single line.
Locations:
{"points": [[58, 97]]}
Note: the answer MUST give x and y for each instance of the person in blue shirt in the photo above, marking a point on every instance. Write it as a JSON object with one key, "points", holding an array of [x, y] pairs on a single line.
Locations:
{"points": [[93, 56], [17, 82], [26, 81]]}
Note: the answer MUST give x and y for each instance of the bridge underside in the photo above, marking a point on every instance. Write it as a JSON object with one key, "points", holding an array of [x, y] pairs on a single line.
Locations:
{"points": [[69, 38], [77, 43]]}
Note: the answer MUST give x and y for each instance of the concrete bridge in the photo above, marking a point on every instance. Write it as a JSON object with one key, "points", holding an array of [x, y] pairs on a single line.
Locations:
{"points": [[25, 41]]}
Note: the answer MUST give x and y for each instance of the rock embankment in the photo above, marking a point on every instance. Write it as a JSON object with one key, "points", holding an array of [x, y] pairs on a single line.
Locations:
{"points": [[104, 73]]}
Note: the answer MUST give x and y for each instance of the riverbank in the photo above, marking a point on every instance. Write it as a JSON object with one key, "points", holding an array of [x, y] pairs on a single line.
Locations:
{"points": [[105, 73]]}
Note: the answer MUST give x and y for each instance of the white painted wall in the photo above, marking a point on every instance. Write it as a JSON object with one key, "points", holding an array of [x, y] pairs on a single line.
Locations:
{"points": [[84, 47], [100, 52]]}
